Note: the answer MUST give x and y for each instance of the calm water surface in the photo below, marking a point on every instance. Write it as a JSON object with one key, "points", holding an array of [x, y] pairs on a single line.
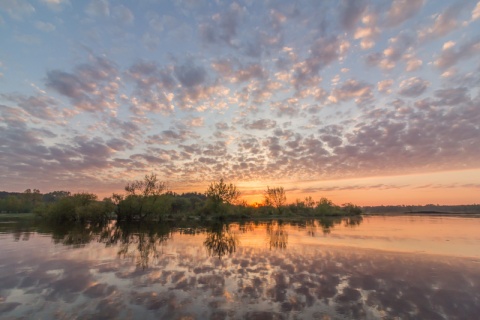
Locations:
{"points": [[392, 267]]}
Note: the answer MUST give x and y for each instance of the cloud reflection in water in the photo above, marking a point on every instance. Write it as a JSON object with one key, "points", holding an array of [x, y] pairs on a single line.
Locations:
{"points": [[213, 272]]}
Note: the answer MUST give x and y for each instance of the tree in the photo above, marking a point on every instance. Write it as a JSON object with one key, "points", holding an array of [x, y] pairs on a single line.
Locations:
{"points": [[12, 204], [141, 198], [275, 197], [326, 207], [149, 186], [55, 196], [79, 207], [351, 209], [220, 192], [30, 199], [309, 202]]}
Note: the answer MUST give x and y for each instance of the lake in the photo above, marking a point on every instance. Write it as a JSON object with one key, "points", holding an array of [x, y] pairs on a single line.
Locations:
{"points": [[375, 267]]}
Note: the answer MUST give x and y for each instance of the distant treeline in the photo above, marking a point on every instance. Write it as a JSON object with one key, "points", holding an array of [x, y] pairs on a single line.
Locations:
{"points": [[148, 200], [26, 202], [429, 208]]}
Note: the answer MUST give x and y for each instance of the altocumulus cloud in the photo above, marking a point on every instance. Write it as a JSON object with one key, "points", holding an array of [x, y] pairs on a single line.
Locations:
{"points": [[246, 90]]}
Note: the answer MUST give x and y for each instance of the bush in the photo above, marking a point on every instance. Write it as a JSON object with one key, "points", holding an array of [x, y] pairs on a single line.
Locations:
{"points": [[351, 209], [81, 207]]}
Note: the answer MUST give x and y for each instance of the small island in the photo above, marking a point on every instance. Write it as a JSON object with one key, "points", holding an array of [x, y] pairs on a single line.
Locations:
{"points": [[149, 200]]}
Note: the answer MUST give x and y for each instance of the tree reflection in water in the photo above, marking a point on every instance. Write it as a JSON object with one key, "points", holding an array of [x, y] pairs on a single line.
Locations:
{"points": [[353, 221], [141, 242], [277, 236], [71, 234], [328, 223], [304, 280], [138, 242], [220, 240]]}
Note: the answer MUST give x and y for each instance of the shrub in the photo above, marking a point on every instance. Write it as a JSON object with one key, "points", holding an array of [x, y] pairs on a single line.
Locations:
{"points": [[351, 209], [81, 207]]}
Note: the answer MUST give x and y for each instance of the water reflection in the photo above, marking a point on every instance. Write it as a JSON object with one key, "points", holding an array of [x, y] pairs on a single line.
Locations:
{"points": [[220, 240], [277, 236], [224, 271], [136, 242], [141, 242]]}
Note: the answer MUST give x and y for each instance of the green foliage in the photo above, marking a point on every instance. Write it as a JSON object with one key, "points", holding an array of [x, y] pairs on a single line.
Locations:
{"points": [[28, 201], [11, 204], [146, 200], [149, 186], [55, 196], [323, 207], [219, 193], [143, 200], [351, 209], [326, 207], [80, 207]]}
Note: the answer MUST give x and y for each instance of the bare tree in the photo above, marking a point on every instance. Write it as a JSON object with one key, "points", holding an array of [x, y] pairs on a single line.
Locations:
{"points": [[275, 197], [149, 186]]}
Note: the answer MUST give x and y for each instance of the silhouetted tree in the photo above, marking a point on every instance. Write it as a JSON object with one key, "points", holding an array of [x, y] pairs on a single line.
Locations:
{"points": [[275, 197], [220, 192], [55, 196]]}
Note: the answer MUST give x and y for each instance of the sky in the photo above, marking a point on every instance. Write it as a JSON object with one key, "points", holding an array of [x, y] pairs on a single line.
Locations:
{"points": [[370, 102]]}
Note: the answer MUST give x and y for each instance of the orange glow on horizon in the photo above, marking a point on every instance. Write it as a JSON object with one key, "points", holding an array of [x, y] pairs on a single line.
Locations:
{"points": [[448, 188]]}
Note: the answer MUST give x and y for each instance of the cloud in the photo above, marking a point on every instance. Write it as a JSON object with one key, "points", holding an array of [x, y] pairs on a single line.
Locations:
{"points": [[451, 97], [190, 75], [262, 124], [213, 104], [235, 72], [323, 52], [413, 87], [402, 10], [27, 39], [385, 85], [98, 8], [412, 62], [287, 107], [195, 122], [476, 12], [223, 26], [154, 87], [26, 154], [42, 107], [123, 15], [91, 87], [450, 55], [395, 52], [350, 13], [352, 89], [443, 23], [368, 32], [56, 5], [17, 9], [44, 26], [172, 136]]}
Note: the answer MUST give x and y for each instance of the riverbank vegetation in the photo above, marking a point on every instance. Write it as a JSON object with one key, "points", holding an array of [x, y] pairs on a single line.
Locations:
{"points": [[149, 200]]}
